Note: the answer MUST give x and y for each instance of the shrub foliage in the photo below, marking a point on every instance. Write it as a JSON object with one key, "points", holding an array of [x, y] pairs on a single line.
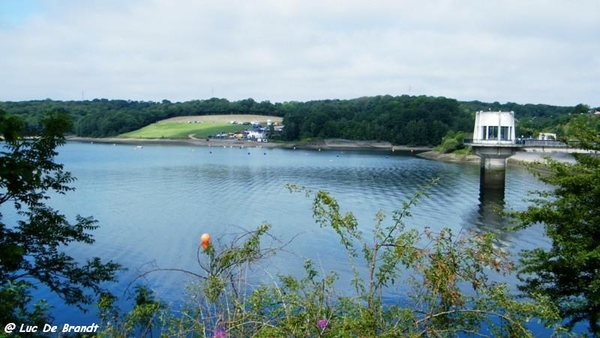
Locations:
{"points": [[450, 291]]}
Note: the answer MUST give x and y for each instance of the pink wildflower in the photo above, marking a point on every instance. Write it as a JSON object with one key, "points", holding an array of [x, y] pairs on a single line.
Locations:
{"points": [[220, 333]]}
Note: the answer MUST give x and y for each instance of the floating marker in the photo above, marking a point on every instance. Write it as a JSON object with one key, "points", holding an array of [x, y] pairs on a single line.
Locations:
{"points": [[205, 241]]}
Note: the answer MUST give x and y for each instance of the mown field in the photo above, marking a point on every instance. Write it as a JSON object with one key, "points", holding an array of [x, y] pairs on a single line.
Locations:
{"points": [[197, 126]]}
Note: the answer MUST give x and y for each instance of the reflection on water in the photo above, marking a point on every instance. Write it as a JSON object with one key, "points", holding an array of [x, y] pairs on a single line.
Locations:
{"points": [[491, 208], [153, 204], [490, 213]]}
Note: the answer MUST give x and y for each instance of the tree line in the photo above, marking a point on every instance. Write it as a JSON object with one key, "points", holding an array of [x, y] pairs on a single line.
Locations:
{"points": [[104, 118], [402, 120]]}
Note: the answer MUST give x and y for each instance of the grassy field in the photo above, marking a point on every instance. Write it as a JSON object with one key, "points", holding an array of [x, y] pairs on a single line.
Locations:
{"points": [[198, 126]]}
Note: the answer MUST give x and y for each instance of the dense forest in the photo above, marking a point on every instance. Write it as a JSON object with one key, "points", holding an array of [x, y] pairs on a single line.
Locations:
{"points": [[403, 120]]}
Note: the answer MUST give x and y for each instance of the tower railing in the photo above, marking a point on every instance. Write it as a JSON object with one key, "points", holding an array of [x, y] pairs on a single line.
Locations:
{"points": [[470, 141], [520, 142]]}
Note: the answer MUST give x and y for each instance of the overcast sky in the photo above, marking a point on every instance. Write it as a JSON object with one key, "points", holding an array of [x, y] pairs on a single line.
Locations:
{"points": [[524, 51]]}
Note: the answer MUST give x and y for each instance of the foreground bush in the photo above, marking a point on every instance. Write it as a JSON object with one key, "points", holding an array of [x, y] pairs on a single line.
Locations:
{"points": [[450, 294]]}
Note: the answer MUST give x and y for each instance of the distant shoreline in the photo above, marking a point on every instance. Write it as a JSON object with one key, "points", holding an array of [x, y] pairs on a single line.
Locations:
{"points": [[328, 144], [521, 157]]}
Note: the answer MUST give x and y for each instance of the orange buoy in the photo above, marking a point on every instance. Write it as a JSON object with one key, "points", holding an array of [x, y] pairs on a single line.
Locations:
{"points": [[205, 241]]}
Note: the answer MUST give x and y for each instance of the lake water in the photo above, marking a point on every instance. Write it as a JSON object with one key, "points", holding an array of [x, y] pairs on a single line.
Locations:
{"points": [[153, 204]]}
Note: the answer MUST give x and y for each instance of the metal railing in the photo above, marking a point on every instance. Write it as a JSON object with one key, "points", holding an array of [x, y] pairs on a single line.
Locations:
{"points": [[542, 143], [521, 142], [470, 141]]}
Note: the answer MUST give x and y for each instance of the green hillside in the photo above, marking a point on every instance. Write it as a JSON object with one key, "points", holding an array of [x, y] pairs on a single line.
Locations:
{"points": [[178, 130], [198, 126]]}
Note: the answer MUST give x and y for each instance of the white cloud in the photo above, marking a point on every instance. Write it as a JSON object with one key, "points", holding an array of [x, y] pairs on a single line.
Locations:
{"points": [[527, 52]]}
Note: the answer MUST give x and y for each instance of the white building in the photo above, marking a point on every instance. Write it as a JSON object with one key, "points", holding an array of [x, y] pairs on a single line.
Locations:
{"points": [[255, 135], [494, 128]]}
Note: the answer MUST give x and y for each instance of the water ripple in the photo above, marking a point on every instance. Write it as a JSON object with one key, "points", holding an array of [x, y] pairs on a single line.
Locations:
{"points": [[152, 204]]}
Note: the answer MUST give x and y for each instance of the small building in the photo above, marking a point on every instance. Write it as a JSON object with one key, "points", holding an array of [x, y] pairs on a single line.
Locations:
{"points": [[493, 127], [254, 135], [547, 137]]}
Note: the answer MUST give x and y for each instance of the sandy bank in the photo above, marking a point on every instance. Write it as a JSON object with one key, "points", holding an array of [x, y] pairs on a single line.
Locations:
{"points": [[193, 142], [436, 155], [529, 157], [520, 157]]}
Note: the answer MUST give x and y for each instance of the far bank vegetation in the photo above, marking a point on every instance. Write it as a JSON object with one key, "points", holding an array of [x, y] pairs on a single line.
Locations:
{"points": [[399, 120]]}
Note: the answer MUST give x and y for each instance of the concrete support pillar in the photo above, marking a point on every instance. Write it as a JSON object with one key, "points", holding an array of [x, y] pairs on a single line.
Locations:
{"points": [[491, 178], [492, 174], [493, 165]]}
